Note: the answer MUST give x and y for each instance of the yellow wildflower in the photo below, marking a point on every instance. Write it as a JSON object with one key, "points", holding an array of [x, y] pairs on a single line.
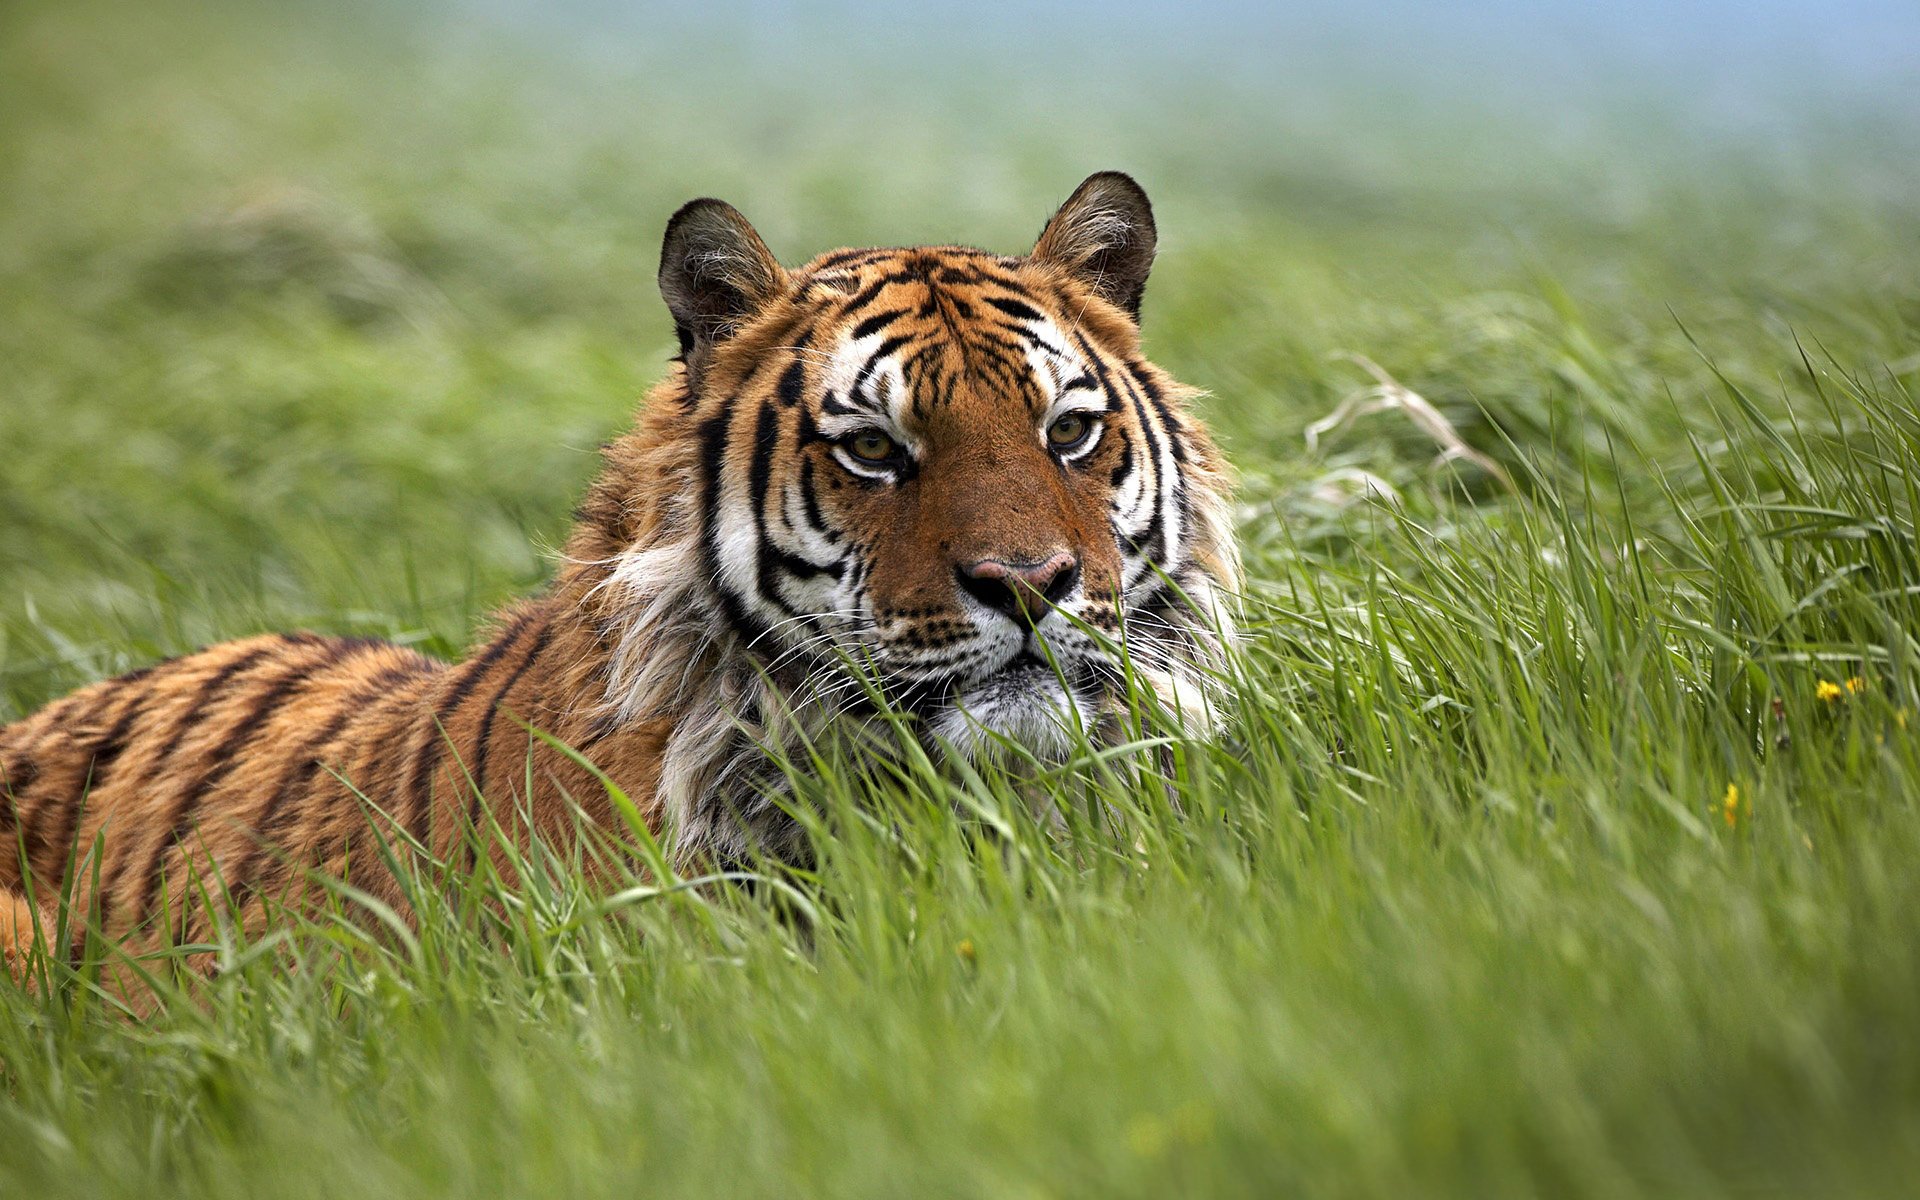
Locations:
{"points": [[965, 949], [1828, 690], [1856, 684], [1730, 805]]}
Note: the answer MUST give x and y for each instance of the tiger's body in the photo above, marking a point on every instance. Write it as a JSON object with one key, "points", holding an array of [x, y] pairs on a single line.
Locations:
{"points": [[947, 470]]}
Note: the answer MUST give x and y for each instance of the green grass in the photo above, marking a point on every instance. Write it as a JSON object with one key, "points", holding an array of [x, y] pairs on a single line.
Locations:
{"points": [[305, 326]]}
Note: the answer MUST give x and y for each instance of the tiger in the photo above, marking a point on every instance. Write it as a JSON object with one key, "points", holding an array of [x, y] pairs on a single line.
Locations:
{"points": [[936, 478]]}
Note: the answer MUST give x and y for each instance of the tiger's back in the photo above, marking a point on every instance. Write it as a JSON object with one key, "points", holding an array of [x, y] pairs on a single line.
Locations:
{"points": [[212, 758]]}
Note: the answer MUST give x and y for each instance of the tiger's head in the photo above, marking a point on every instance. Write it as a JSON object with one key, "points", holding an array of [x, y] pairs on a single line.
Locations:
{"points": [[950, 470]]}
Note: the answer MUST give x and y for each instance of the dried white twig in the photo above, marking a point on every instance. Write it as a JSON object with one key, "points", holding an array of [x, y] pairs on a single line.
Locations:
{"points": [[1388, 393], [1344, 486]]}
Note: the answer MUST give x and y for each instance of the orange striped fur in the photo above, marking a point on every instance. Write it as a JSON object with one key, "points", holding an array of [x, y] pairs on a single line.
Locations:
{"points": [[943, 463]]}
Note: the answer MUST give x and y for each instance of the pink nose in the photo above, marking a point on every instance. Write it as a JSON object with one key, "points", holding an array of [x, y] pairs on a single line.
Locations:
{"points": [[1023, 591]]}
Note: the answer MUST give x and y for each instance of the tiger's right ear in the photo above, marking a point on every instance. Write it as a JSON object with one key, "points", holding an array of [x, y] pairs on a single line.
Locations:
{"points": [[715, 273], [1104, 237]]}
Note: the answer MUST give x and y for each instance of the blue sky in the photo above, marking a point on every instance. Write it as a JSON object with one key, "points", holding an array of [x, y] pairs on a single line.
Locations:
{"points": [[1751, 52]]}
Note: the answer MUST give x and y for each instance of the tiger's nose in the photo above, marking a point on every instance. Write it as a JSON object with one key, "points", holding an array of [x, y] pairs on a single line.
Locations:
{"points": [[1021, 590]]}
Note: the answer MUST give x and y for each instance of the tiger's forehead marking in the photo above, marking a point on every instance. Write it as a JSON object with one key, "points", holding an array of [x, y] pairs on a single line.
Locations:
{"points": [[922, 336]]}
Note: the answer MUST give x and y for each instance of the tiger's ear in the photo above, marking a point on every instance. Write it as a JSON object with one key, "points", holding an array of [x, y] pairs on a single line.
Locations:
{"points": [[715, 273], [1104, 237]]}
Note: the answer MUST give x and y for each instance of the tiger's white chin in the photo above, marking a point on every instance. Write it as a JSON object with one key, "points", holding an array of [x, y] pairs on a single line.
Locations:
{"points": [[1026, 705]]}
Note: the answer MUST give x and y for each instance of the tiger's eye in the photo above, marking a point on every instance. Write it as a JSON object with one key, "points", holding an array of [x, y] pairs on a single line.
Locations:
{"points": [[871, 445], [1068, 431]]}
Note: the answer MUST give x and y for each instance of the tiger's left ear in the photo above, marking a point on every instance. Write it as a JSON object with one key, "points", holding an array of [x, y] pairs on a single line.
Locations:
{"points": [[1104, 237]]}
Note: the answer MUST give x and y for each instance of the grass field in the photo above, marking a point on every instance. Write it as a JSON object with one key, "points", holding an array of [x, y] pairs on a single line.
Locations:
{"points": [[1564, 838]]}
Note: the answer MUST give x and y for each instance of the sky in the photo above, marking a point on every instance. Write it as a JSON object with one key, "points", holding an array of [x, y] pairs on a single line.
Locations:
{"points": [[1726, 57]]}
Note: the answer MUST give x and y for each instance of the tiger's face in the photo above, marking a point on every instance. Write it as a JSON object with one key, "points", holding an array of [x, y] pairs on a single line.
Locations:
{"points": [[952, 472]]}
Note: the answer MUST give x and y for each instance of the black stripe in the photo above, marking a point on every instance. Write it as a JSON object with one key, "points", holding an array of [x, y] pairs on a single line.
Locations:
{"points": [[194, 712], [810, 503], [804, 568], [240, 877], [875, 324], [420, 791], [185, 810], [842, 257], [1154, 530], [1015, 308], [486, 739], [961, 277], [873, 361], [713, 457], [19, 777], [766, 439], [1137, 374], [209, 688], [335, 652], [1175, 483], [102, 754], [806, 430], [865, 296], [1020, 345], [240, 880], [793, 382], [108, 749], [713, 448], [1124, 467], [1036, 336], [14, 783]]}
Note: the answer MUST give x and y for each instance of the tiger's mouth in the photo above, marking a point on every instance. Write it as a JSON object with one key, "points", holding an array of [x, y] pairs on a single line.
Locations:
{"points": [[1041, 697], [1022, 672], [1027, 701]]}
